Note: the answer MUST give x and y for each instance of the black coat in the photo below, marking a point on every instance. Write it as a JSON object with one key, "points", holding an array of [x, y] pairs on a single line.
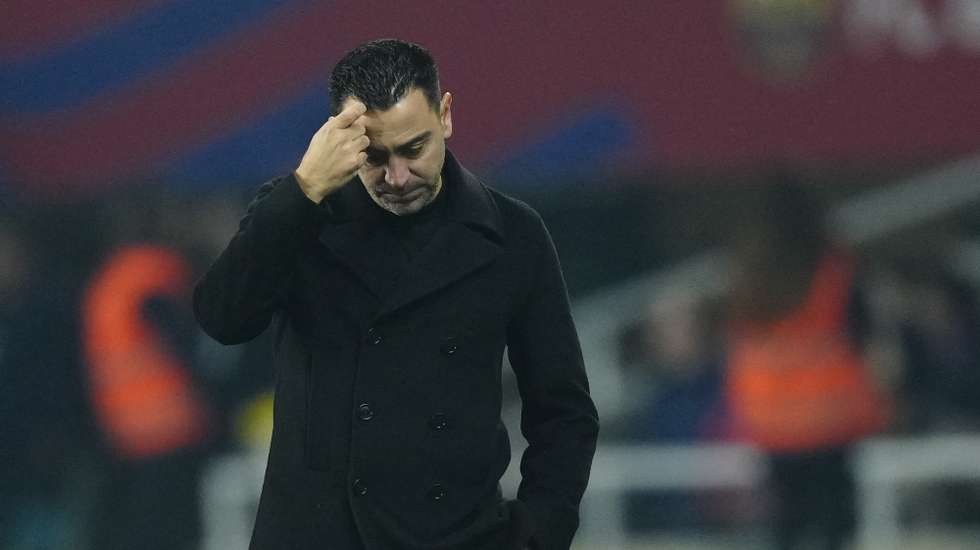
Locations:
{"points": [[387, 410]]}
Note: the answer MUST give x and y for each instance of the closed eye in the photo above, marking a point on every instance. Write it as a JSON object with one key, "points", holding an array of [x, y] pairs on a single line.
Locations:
{"points": [[412, 152], [414, 148]]}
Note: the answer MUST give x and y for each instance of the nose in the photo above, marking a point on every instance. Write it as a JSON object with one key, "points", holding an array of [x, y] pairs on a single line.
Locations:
{"points": [[396, 172]]}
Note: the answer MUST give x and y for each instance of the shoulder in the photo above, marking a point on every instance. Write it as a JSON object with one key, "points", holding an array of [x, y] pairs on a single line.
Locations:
{"points": [[520, 221]]}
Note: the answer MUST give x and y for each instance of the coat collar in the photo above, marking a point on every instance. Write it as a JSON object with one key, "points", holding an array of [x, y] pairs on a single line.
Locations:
{"points": [[469, 202], [469, 240]]}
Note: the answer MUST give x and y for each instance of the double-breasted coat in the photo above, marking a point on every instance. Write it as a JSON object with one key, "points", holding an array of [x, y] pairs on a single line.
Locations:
{"points": [[387, 430]]}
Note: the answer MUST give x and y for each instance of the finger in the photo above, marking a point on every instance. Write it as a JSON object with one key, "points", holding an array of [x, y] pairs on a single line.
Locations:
{"points": [[362, 143], [357, 129], [346, 117], [344, 135], [359, 160]]}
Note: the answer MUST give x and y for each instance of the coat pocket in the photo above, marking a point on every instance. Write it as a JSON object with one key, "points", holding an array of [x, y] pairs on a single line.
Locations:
{"points": [[329, 382]]}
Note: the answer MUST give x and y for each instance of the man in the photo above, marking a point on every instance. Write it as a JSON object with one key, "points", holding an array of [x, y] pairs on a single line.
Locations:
{"points": [[396, 280]]}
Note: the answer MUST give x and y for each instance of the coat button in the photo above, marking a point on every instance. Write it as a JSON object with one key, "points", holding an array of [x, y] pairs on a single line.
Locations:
{"points": [[438, 422], [365, 412], [450, 346], [437, 493], [374, 337], [359, 488]]}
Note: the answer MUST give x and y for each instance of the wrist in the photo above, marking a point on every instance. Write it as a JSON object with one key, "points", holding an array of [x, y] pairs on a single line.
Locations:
{"points": [[306, 188]]}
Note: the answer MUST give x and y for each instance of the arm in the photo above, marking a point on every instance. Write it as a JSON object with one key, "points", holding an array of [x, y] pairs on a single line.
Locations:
{"points": [[559, 419], [236, 299]]}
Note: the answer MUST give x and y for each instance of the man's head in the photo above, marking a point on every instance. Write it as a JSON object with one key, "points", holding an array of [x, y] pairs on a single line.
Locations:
{"points": [[406, 120]]}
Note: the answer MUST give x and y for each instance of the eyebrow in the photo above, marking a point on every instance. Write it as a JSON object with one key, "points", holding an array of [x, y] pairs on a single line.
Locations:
{"points": [[408, 145]]}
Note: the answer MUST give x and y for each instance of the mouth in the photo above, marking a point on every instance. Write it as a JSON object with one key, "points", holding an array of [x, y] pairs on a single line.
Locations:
{"points": [[402, 198]]}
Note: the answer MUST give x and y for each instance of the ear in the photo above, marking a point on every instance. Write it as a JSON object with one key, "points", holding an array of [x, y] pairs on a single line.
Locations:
{"points": [[446, 115]]}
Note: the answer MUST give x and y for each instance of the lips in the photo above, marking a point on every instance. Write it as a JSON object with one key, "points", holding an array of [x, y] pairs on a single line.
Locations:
{"points": [[404, 197]]}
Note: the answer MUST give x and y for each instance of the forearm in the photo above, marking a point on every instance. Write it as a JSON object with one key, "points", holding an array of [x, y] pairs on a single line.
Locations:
{"points": [[236, 298]]}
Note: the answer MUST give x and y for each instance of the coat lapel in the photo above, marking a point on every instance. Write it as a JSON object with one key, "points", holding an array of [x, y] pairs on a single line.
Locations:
{"points": [[454, 252], [467, 241], [355, 236]]}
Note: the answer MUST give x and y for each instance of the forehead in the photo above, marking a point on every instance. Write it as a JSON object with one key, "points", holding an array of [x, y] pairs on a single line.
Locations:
{"points": [[402, 122]]}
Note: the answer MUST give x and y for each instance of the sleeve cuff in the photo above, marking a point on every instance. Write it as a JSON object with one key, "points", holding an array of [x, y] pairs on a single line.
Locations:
{"points": [[287, 205]]}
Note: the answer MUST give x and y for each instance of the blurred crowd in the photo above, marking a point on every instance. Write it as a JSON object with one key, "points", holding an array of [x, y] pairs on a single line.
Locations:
{"points": [[813, 346], [112, 399], [114, 402]]}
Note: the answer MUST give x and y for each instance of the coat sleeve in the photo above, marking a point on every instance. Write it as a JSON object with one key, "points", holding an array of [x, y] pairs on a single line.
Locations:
{"points": [[236, 299], [558, 418]]}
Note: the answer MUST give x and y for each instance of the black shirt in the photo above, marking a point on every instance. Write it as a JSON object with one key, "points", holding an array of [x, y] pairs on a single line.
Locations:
{"points": [[413, 232]]}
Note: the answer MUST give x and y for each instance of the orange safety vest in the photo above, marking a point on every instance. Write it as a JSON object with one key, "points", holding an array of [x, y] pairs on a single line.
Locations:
{"points": [[141, 392], [799, 384]]}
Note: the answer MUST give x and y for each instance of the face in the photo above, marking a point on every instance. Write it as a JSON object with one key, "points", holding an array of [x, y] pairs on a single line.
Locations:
{"points": [[403, 172]]}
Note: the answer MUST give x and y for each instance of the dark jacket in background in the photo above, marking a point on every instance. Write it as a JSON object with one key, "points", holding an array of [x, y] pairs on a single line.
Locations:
{"points": [[387, 412]]}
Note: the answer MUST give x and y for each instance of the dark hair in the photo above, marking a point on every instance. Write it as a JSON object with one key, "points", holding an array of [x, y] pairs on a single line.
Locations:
{"points": [[380, 73]]}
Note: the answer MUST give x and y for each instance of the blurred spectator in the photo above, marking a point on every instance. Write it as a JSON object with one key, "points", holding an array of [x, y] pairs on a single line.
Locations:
{"points": [[683, 356], [680, 355], [150, 404], [797, 383]]}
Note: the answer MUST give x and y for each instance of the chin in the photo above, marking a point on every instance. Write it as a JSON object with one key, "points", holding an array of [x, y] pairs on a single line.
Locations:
{"points": [[405, 209]]}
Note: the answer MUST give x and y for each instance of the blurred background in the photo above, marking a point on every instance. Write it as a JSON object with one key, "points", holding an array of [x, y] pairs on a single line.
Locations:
{"points": [[768, 214]]}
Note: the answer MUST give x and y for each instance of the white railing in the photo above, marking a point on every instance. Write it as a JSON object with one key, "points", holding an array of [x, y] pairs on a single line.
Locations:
{"points": [[230, 489], [619, 469], [882, 466]]}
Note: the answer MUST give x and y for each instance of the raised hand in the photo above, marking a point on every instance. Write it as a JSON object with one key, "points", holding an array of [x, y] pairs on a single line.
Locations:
{"points": [[335, 153]]}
